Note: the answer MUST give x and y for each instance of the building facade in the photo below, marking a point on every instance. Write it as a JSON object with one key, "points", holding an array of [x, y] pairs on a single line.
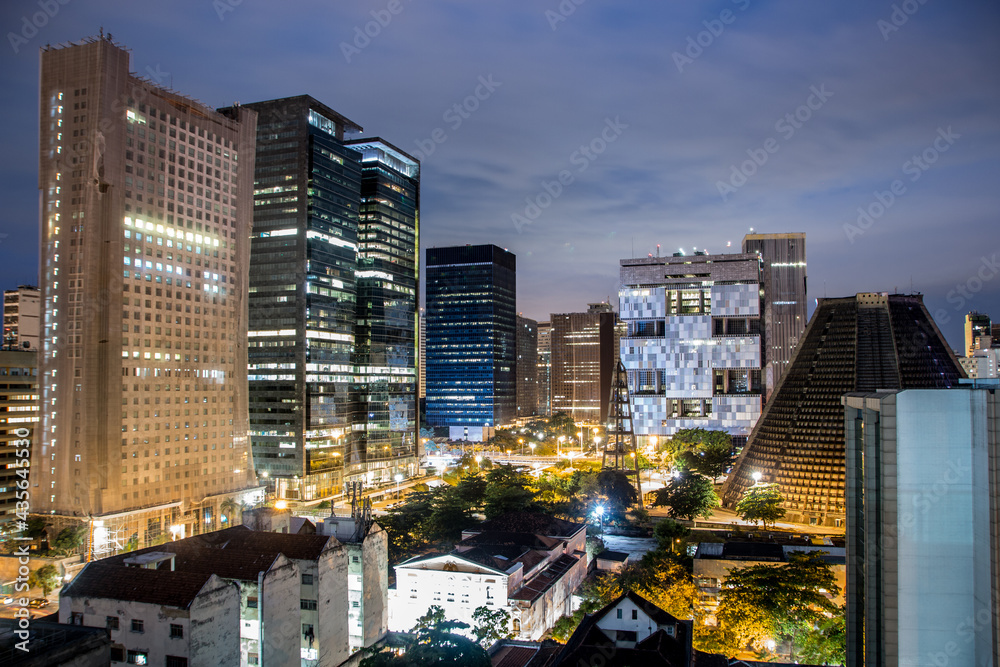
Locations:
{"points": [[785, 306], [527, 367], [693, 348], [922, 498], [332, 304], [861, 343], [583, 359], [21, 317], [471, 339], [145, 220], [544, 368], [976, 325], [18, 427]]}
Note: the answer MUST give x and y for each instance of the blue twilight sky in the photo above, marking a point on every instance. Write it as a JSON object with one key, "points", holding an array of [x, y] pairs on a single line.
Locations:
{"points": [[652, 113]]}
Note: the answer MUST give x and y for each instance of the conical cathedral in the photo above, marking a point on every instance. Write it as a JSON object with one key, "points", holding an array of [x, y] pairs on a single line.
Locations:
{"points": [[862, 343]]}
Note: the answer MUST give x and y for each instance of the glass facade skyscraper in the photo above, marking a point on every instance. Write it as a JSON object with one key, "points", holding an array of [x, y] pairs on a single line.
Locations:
{"points": [[387, 281], [471, 350], [334, 240]]}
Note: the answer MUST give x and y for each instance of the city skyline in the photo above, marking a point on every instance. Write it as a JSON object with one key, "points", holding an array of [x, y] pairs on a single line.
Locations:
{"points": [[495, 125]]}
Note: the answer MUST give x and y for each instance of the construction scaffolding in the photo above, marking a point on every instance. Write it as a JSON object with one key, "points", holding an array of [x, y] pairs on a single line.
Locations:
{"points": [[619, 448]]}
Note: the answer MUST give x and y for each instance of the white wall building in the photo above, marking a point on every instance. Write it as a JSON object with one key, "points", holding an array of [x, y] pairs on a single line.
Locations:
{"points": [[21, 317]]}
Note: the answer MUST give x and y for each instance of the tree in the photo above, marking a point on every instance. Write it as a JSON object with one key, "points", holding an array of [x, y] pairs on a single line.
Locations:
{"points": [[618, 490], [668, 530], [780, 602], [432, 642], [70, 538], [825, 643], [492, 625], [761, 503], [707, 452], [36, 527], [232, 509], [688, 495], [46, 577]]}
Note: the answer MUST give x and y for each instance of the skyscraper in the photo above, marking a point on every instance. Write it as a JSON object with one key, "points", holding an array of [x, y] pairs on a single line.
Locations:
{"points": [[854, 344], [544, 368], [976, 325], [333, 289], [527, 367], [145, 215], [583, 358], [385, 359], [785, 306], [21, 318], [693, 345], [18, 426], [922, 502], [471, 349]]}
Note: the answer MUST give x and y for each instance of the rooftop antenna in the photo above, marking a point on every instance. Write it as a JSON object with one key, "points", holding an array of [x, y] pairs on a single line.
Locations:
{"points": [[657, 249]]}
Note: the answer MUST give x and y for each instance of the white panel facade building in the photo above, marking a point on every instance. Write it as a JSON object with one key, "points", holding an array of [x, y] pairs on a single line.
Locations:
{"points": [[693, 348]]}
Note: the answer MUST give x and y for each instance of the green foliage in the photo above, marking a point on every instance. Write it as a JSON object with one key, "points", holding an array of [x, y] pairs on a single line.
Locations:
{"points": [[762, 602], [36, 527], [45, 577], [657, 577], [639, 515], [825, 643], [433, 642], [566, 626], [709, 453], [618, 492], [70, 538], [508, 490], [667, 531], [761, 503], [492, 625], [688, 495]]}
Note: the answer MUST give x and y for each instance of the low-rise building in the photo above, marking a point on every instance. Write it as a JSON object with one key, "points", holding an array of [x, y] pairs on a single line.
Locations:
{"points": [[714, 560], [526, 564], [235, 596]]}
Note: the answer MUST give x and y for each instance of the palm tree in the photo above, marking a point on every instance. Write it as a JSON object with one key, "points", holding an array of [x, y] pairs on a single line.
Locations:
{"points": [[231, 508]]}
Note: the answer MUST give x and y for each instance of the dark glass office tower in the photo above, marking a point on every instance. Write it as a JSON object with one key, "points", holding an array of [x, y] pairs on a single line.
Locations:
{"points": [[471, 353], [386, 335], [303, 292], [785, 306], [527, 367]]}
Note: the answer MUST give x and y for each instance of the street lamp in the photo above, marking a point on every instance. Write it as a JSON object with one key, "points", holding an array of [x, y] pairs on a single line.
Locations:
{"points": [[756, 477], [520, 441], [532, 445], [479, 460], [600, 516], [398, 478], [580, 434], [597, 442]]}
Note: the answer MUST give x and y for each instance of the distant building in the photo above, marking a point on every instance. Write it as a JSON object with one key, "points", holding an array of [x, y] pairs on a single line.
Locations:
{"points": [[922, 507], [714, 560], [693, 347], [232, 597], [527, 367], [976, 325], [21, 320], [544, 368], [471, 341], [983, 363], [526, 564], [18, 426], [583, 359], [860, 343], [423, 355], [785, 305]]}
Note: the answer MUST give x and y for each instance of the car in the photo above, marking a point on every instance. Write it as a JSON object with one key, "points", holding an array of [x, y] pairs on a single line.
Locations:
{"points": [[38, 603], [7, 599]]}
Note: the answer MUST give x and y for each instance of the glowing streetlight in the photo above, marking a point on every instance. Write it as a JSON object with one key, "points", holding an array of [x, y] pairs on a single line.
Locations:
{"points": [[532, 445], [398, 478], [580, 435], [281, 505], [756, 477], [600, 516], [520, 441]]}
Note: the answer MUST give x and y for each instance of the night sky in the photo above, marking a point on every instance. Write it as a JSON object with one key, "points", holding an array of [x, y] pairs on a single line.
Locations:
{"points": [[681, 124]]}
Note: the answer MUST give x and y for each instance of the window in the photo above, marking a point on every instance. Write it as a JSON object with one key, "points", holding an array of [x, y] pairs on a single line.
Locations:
{"points": [[618, 613], [137, 625], [76, 618], [253, 659], [307, 580], [176, 631], [252, 603], [111, 622], [175, 661], [138, 658], [117, 654], [635, 614], [307, 604]]}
